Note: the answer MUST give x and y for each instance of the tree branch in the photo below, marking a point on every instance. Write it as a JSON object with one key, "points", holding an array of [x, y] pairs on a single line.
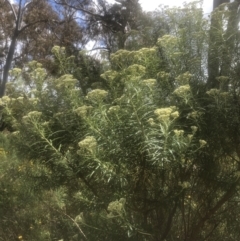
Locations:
{"points": [[212, 211], [76, 224], [169, 221], [100, 17], [31, 24], [13, 10]]}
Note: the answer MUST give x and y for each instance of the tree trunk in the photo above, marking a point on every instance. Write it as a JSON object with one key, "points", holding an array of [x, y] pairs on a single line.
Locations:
{"points": [[225, 198], [8, 63], [229, 48], [213, 58], [7, 66]]}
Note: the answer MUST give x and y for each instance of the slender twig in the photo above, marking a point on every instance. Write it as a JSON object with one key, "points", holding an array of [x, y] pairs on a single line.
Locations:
{"points": [[76, 224], [13, 10]]}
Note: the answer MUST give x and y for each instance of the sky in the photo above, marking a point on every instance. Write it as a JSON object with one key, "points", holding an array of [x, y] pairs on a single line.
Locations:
{"points": [[149, 5]]}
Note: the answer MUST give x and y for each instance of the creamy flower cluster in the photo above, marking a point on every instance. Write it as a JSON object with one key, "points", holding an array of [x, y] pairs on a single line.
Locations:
{"points": [[109, 75], [163, 75], [15, 72], [58, 50], [39, 74], [150, 82], [5, 100], [178, 132], [164, 114], [97, 95], [66, 81], [136, 70], [82, 111], [89, 143], [32, 115], [182, 91], [202, 143], [213, 92], [185, 184], [117, 206], [151, 122], [194, 129], [124, 58], [114, 109], [195, 114], [222, 78], [183, 79], [168, 41]]}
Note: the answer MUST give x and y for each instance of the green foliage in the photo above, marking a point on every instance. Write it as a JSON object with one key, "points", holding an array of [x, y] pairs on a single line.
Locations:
{"points": [[154, 156], [82, 66]]}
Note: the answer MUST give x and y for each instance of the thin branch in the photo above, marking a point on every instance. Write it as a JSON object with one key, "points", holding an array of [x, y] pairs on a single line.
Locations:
{"points": [[13, 10], [79, 9], [183, 215], [19, 17], [100, 17], [169, 221], [212, 211], [210, 233], [31, 24], [80, 230], [23, 10], [97, 48]]}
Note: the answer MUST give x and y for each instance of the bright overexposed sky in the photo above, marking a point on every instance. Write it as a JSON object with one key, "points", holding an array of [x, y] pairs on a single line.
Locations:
{"points": [[150, 5]]}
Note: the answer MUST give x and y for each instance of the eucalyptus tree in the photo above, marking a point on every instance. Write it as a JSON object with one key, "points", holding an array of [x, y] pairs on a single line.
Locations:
{"points": [[19, 27], [222, 44], [109, 24], [33, 28]]}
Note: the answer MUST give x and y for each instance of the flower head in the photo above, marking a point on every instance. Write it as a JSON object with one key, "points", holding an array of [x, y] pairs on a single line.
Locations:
{"points": [[175, 114], [213, 92], [150, 82], [190, 136], [182, 91], [15, 72], [89, 143], [202, 143], [117, 206], [178, 132], [151, 122], [32, 116], [114, 109], [97, 95], [109, 75], [20, 99], [183, 79], [82, 111], [136, 70], [194, 128], [195, 114], [66, 81], [164, 114], [5, 99]]}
